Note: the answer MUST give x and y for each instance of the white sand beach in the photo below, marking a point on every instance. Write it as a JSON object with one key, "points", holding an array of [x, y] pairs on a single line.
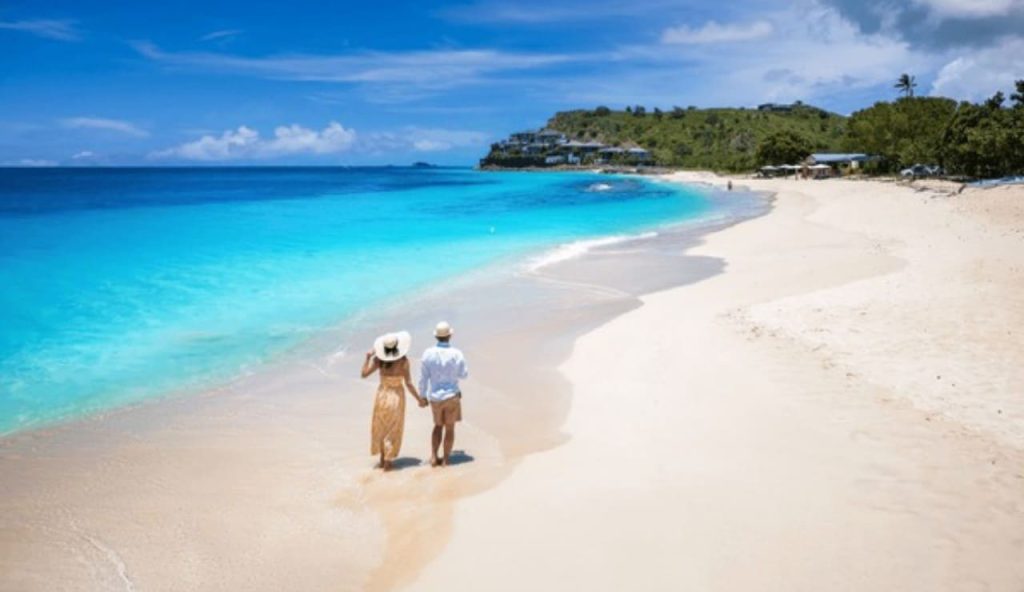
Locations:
{"points": [[841, 409], [830, 400]]}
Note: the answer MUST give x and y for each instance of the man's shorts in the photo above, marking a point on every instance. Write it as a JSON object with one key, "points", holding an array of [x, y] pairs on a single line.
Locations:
{"points": [[448, 411]]}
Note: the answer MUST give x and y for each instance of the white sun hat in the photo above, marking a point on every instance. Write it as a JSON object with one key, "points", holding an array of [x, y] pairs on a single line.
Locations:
{"points": [[443, 329], [392, 346]]}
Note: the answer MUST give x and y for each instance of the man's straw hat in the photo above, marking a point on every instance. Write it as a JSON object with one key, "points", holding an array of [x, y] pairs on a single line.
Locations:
{"points": [[443, 329]]}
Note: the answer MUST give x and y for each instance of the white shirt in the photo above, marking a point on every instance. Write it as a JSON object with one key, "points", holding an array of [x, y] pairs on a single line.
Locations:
{"points": [[440, 371]]}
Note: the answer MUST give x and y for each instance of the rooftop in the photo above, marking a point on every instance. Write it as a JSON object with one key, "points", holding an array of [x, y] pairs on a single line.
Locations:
{"points": [[838, 156]]}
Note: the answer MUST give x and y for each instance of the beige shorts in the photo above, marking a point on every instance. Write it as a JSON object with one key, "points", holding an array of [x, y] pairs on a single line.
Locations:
{"points": [[448, 411]]}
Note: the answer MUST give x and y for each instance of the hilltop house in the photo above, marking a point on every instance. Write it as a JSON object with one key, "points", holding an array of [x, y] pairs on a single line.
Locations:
{"points": [[776, 107], [550, 147]]}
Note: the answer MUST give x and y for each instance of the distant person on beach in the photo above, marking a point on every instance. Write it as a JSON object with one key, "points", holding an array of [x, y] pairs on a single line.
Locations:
{"points": [[388, 357], [440, 371]]}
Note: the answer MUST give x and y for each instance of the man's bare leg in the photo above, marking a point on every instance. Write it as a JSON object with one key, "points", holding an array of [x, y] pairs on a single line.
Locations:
{"points": [[449, 441], [435, 441]]}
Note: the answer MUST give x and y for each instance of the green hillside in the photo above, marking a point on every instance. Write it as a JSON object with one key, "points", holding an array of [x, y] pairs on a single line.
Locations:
{"points": [[717, 139], [970, 140]]}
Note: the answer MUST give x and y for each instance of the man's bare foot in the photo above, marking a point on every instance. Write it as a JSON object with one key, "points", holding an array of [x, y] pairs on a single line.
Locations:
{"points": [[386, 465], [444, 462], [434, 462]]}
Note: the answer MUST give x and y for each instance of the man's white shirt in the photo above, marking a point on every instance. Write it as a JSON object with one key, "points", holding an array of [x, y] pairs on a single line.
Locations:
{"points": [[441, 369]]}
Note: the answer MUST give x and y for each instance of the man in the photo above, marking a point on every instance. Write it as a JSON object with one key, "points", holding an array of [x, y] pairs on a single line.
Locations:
{"points": [[440, 371]]}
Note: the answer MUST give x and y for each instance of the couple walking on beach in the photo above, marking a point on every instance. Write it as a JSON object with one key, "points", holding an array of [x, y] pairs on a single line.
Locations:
{"points": [[441, 368]]}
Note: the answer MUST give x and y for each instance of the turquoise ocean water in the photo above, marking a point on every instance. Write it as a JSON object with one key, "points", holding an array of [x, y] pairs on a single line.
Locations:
{"points": [[122, 284]]}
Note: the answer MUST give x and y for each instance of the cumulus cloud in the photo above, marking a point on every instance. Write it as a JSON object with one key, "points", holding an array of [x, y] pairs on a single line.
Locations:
{"points": [[246, 143], [937, 24], [813, 54], [114, 125], [979, 74], [61, 30], [713, 32], [970, 8]]}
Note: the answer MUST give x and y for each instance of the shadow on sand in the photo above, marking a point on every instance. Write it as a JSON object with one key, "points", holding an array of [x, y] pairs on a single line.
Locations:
{"points": [[405, 462], [459, 457]]}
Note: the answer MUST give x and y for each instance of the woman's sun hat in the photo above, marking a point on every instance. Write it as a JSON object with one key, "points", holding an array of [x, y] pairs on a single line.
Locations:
{"points": [[443, 329], [392, 346]]}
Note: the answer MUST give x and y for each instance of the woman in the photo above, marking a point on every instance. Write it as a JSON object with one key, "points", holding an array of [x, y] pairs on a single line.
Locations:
{"points": [[388, 357]]}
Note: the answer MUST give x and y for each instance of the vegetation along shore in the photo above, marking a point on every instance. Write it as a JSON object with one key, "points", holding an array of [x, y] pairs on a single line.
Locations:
{"points": [[971, 140]]}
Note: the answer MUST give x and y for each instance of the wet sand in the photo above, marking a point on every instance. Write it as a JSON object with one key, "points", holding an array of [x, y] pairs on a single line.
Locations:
{"points": [[266, 483]]}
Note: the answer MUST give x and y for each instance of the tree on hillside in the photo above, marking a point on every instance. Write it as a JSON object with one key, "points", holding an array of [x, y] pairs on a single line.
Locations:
{"points": [[905, 132], [782, 147], [986, 140], [1018, 97], [906, 85], [602, 111]]}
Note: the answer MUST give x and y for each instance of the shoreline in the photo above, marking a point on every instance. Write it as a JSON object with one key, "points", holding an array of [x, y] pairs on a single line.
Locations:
{"points": [[339, 330], [780, 425], [287, 443], [649, 439]]}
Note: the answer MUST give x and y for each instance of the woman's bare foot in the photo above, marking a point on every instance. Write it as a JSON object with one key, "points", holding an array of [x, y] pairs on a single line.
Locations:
{"points": [[386, 465], [434, 462]]}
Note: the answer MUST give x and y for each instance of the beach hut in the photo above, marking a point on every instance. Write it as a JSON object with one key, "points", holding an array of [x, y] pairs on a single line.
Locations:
{"points": [[850, 160], [820, 171]]}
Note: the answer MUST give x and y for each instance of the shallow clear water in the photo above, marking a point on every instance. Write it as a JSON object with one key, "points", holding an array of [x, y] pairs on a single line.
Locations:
{"points": [[119, 284]]}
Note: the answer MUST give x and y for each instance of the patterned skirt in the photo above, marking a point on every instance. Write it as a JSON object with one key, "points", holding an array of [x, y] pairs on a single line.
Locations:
{"points": [[388, 418]]}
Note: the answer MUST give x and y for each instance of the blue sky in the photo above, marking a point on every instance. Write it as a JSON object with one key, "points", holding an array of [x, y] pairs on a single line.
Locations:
{"points": [[119, 82]]}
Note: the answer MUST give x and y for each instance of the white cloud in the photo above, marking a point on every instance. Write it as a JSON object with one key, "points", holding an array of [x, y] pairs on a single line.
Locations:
{"points": [[61, 30], [713, 32], [979, 74], [422, 139], [814, 55], [434, 140], [246, 143], [114, 125], [398, 74], [970, 8], [221, 35], [84, 154], [431, 145], [544, 11], [31, 162]]}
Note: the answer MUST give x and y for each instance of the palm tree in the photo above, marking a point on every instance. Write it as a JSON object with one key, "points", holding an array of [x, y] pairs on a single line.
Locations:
{"points": [[906, 84]]}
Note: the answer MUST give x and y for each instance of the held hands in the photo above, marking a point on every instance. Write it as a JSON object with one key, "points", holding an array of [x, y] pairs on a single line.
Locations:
{"points": [[423, 401]]}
